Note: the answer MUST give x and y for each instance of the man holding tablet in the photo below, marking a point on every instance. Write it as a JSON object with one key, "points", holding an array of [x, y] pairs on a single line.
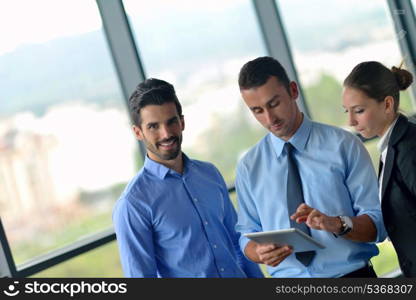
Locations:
{"points": [[305, 175]]}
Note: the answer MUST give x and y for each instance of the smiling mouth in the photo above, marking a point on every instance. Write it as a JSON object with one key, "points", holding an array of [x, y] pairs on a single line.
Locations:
{"points": [[169, 144], [277, 125]]}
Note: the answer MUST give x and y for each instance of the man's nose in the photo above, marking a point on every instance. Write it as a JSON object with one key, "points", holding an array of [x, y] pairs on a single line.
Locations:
{"points": [[269, 118], [164, 132]]}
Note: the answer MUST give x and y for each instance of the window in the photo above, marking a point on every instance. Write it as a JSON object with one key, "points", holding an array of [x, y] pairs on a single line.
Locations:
{"points": [[101, 262], [199, 47], [66, 147], [328, 38]]}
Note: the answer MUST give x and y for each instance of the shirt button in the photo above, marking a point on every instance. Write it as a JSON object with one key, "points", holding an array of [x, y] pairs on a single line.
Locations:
{"points": [[222, 269], [215, 246], [195, 199], [206, 223]]}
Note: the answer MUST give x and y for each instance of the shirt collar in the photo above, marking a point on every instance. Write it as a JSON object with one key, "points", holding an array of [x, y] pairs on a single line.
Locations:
{"points": [[161, 171], [298, 140], [384, 141]]}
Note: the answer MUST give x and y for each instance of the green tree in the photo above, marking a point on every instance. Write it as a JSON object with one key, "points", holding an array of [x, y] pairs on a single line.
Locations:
{"points": [[324, 101]]}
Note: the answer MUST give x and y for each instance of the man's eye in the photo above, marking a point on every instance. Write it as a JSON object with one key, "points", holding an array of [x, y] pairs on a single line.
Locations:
{"points": [[359, 111], [274, 103], [151, 126]]}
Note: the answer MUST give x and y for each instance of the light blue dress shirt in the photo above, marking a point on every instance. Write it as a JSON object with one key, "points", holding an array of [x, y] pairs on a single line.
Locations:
{"points": [[179, 225], [337, 179]]}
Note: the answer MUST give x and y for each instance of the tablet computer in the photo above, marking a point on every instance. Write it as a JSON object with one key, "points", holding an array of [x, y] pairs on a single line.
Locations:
{"points": [[299, 240]]}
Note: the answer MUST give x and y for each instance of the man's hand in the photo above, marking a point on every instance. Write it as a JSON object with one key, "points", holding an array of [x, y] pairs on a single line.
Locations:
{"points": [[364, 229], [316, 219], [269, 254]]}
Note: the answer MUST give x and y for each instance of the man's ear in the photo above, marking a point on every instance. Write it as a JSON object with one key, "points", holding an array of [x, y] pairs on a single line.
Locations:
{"points": [[138, 132], [293, 89], [182, 119]]}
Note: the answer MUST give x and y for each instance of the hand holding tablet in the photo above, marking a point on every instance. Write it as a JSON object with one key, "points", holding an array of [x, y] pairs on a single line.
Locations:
{"points": [[292, 237]]}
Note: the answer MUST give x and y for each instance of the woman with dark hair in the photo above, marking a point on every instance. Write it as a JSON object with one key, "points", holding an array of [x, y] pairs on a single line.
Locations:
{"points": [[371, 99]]}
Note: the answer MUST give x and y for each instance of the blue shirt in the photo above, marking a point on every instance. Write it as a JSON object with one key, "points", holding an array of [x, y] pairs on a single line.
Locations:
{"points": [[173, 225], [337, 179]]}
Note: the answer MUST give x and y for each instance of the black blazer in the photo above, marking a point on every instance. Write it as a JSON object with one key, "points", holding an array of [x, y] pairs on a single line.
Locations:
{"points": [[398, 194]]}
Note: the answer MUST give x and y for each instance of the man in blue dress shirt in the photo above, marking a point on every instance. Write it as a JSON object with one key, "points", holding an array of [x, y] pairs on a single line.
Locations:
{"points": [[175, 218], [339, 186]]}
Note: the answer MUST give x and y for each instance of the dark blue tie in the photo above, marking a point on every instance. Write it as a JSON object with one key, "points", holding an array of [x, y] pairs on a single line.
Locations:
{"points": [[294, 199]]}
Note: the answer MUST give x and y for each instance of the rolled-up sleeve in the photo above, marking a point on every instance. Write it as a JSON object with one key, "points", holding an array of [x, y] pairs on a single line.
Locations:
{"points": [[362, 183]]}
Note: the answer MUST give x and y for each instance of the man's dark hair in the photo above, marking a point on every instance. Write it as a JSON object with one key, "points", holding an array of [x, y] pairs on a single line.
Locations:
{"points": [[152, 91], [256, 72]]}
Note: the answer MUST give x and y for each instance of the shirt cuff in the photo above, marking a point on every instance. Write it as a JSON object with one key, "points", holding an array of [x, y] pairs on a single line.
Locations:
{"points": [[243, 243], [378, 222]]}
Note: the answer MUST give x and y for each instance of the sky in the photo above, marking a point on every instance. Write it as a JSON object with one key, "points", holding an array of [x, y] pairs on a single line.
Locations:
{"points": [[16, 16]]}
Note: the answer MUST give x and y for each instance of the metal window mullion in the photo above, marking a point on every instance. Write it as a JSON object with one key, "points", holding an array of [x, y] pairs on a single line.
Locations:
{"points": [[7, 265], [123, 48], [276, 42], [404, 21], [61, 255]]}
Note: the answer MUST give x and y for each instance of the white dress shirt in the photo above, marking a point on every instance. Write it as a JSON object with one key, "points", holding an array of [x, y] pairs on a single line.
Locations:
{"points": [[382, 148]]}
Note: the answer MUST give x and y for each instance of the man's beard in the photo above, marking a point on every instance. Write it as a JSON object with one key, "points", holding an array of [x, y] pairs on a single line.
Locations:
{"points": [[168, 155]]}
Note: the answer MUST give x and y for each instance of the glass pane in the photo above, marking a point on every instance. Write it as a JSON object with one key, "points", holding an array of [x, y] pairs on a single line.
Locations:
{"points": [[66, 148], [327, 43], [386, 261], [101, 262], [199, 47]]}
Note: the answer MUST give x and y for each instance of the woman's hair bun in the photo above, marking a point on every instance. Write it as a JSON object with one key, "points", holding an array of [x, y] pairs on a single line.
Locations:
{"points": [[403, 77]]}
